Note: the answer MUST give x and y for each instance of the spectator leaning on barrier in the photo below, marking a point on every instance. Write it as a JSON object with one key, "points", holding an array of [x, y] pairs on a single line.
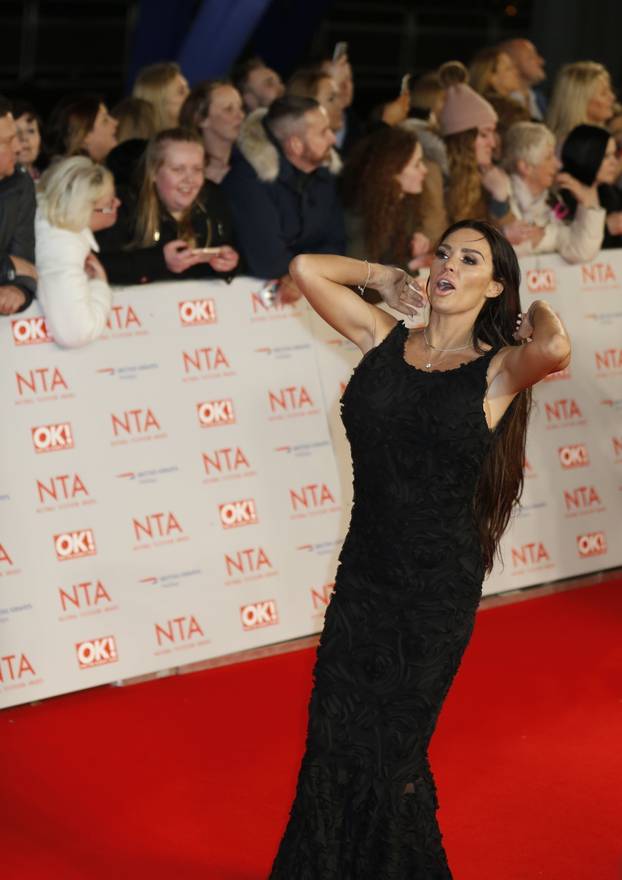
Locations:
{"points": [[582, 94], [533, 166], [76, 198], [590, 161], [179, 225], [18, 277], [214, 109], [282, 187], [257, 83], [530, 66]]}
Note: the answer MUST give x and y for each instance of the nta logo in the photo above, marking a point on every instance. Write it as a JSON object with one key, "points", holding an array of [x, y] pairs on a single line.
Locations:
{"points": [[97, 652], [87, 594], [259, 614], [582, 498], [563, 410], [178, 630], [294, 398], [13, 671], [534, 553], [252, 560], [43, 380], [64, 487], [134, 421]]}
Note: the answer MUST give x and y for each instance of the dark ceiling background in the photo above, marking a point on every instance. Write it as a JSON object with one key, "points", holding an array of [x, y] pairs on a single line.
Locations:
{"points": [[51, 48]]}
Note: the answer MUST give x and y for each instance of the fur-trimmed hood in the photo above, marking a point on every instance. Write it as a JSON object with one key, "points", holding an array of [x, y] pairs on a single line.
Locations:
{"points": [[262, 153], [432, 144]]}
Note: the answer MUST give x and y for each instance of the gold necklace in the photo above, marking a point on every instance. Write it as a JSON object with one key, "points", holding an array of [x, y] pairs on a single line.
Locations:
{"points": [[431, 347]]}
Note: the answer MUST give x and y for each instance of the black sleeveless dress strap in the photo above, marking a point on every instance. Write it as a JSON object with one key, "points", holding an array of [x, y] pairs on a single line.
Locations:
{"points": [[406, 591]]}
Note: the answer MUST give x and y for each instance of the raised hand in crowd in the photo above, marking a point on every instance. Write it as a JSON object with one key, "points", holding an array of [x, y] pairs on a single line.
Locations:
{"points": [[396, 111]]}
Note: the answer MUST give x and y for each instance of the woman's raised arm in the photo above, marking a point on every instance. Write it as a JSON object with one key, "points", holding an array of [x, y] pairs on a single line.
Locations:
{"points": [[325, 281], [546, 350]]}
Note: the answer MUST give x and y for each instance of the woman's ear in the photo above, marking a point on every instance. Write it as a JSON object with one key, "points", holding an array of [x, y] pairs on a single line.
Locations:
{"points": [[495, 288]]}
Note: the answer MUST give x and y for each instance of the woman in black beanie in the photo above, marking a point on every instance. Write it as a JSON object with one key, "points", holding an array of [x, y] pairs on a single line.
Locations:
{"points": [[589, 155]]}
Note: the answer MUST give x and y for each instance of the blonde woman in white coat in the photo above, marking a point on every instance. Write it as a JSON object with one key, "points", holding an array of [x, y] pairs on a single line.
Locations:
{"points": [[76, 198]]}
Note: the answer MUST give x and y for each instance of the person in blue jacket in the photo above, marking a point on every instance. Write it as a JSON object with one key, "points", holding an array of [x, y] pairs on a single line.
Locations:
{"points": [[282, 189]]}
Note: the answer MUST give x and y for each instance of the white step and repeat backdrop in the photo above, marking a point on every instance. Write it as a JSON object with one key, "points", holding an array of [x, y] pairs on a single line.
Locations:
{"points": [[180, 489]]}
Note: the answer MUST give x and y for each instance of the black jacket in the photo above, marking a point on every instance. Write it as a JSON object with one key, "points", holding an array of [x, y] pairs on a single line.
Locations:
{"points": [[610, 198], [17, 230], [211, 223], [279, 211]]}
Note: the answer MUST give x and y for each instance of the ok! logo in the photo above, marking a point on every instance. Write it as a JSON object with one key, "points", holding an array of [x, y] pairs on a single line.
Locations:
{"points": [[237, 513], [74, 545], [541, 281], [52, 438], [197, 311], [97, 652], [30, 331]]}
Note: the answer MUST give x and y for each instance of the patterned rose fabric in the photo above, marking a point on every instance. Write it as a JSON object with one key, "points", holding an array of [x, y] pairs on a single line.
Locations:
{"points": [[407, 588]]}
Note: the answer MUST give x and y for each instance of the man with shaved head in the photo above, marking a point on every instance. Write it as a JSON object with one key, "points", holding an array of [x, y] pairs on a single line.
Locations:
{"points": [[281, 187], [530, 65]]}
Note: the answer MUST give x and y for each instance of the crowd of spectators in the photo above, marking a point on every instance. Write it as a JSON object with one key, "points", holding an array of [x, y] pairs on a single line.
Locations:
{"points": [[241, 174]]}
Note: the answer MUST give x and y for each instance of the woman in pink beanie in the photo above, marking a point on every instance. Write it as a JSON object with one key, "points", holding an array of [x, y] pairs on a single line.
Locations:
{"points": [[477, 187]]}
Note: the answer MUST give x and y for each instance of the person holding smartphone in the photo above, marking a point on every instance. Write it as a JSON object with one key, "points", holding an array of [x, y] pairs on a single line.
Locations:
{"points": [[179, 226]]}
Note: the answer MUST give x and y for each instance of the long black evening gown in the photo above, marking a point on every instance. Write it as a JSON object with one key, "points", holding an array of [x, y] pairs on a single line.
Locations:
{"points": [[402, 612]]}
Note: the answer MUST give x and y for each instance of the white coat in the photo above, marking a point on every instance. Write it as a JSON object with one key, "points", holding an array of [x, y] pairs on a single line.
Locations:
{"points": [[75, 306]]}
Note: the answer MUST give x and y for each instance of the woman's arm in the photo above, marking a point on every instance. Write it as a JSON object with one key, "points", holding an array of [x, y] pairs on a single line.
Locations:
{"points": [[515, 367], [325, 281]]}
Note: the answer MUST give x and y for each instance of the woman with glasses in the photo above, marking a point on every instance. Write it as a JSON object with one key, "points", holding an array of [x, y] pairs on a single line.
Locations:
{"points": [[76, 198]]}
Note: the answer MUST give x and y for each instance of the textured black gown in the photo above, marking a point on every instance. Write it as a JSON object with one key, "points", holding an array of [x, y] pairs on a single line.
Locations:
{"points": [[402, 612]]}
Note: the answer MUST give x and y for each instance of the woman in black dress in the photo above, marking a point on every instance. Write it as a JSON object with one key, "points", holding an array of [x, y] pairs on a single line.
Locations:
{"points": [[436, 420]]}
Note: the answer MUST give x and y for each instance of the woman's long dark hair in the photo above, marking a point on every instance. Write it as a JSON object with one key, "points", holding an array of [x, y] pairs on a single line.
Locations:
{"points": [[501, 481]]}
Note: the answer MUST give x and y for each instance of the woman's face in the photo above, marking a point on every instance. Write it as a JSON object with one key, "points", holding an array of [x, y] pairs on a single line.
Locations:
{"points": [[29, 138], [485, 143], [181, 175], [174, 95], [104, 212], [609, 167], [328, 98], [600, 106], [461, 274], [413, 173], [225, 114], [540, 176], [102, 138], [505, 78]]}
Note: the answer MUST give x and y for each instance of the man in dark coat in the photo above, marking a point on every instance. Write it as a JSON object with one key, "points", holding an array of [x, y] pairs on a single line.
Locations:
{"points": [[282, 189], [18, 276]]}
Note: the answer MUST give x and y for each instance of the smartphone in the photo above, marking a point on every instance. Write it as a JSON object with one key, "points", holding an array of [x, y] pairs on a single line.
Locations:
{"points": [[405, 85], [340, 51], [206, 250]]}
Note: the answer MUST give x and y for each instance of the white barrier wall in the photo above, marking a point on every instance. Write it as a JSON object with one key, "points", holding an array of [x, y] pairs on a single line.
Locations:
{"points": [[171, 492]]}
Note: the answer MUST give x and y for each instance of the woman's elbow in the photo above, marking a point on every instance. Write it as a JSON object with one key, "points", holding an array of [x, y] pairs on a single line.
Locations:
{"points": [[558, 351]]}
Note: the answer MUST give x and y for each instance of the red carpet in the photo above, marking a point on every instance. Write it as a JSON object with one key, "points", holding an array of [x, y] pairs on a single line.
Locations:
{"points": [[192, 776]]}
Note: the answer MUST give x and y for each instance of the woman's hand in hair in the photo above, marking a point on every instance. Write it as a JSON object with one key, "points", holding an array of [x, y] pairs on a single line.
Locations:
{"points": [[585, 195], [178, 256], [94, 268]]}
